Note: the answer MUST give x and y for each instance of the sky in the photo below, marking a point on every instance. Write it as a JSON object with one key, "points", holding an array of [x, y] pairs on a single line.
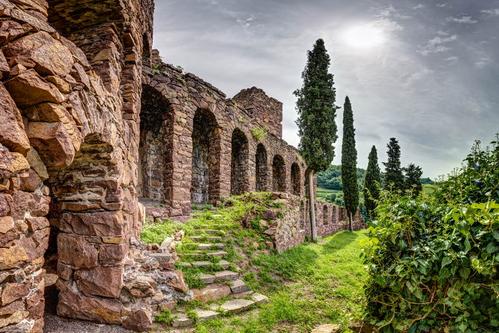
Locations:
{"points": [[423, 71]]}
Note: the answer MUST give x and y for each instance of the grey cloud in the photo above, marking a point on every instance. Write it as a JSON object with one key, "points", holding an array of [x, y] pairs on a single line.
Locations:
{"points": [[462, 20]]}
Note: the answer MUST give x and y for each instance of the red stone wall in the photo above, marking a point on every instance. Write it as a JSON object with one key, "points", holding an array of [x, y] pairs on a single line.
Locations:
{"points": [[228, 173]]}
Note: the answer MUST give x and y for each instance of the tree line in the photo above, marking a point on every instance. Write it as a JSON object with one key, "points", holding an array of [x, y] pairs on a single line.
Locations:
{"points": [[316, 107]]}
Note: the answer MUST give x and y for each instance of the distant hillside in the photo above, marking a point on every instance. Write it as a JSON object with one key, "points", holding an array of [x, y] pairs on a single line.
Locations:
{"points": [[331, 178]]}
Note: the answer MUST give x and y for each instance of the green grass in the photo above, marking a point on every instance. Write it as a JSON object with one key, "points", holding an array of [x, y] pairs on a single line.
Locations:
{"points": [[309, 285]]}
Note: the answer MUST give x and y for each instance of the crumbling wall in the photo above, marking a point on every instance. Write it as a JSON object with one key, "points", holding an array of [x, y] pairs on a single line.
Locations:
{"points": [[228, 158], [266, 109], [70, 92]]}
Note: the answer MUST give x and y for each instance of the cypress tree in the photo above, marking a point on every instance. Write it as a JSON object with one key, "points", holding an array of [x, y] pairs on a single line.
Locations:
{"points": [[372, 184], [316, 117], [413, 175], [394, 179], [349, 163]]}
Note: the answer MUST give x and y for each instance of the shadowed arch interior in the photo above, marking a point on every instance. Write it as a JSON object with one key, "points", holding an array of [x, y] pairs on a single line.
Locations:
{"points": [[239, 176], [155, 147], [278, 174], [205, 158], [262, 172], [295, 179]]}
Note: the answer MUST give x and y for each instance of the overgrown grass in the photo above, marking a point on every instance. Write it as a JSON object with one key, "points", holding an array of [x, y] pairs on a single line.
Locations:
{"points": [[309, 285]]}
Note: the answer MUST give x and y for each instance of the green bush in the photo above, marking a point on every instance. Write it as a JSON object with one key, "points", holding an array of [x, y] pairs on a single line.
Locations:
{"points": [[432, 261]]}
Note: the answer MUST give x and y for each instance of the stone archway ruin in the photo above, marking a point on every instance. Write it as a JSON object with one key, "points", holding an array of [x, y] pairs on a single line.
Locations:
{"points": [[278, 174], [239, 182], [155, 147], [295, 179], [205, 158], [262, 173]]}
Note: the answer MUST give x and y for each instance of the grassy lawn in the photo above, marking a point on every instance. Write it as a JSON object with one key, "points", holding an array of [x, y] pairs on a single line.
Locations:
{"points": [[322, 284]]}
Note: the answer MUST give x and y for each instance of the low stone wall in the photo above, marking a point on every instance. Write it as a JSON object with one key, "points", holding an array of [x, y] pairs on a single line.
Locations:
{"points": [[290, 227]]}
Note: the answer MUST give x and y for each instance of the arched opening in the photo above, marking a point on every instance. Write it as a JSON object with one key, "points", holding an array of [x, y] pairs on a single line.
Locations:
{"points": [[239, 182], [262, 173], [325, 215], [205, 158], [155, 148], [295, 179], [278, 174], [84, 211]]}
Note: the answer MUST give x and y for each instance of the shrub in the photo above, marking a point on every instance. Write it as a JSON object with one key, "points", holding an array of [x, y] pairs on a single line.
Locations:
{"points": [[432, 261], [259, 133]]}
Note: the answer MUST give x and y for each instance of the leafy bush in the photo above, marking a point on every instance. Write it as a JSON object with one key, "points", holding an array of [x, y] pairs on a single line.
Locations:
{"points": [[259, 133], [432, 261]]}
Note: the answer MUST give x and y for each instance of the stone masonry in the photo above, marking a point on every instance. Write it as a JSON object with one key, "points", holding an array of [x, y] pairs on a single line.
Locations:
{"points": [[91, 121]]}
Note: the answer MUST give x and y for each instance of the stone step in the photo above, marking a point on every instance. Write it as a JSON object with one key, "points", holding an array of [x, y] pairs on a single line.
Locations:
{"points": [[214, 226], [203, 315], [211, 232], [181, 320], [236, 305], [211, 246], [211, 293], [259, 298], [199, 255], [202, 238], [238, 286], [221, 265], [222, 276]]}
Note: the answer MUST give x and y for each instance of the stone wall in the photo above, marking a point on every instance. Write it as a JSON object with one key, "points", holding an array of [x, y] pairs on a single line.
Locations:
{"points": [[291, 226], [266, 109], [70, 98], [214, 150]]}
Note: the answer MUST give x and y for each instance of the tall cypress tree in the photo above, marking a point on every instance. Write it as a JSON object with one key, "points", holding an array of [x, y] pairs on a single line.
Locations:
{"points": [[413, 175], [394, 179], [316, 117], [372, 184], [349, 163]]}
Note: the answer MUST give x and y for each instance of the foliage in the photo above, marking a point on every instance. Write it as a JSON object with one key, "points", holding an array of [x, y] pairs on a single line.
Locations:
{"points": [[317, 110], [427, 181], [349, 163], [165, 317], [394, 179], [331, 178], [259, 133], [432, 261], [331, 196], [372, 184], [412, 180]]}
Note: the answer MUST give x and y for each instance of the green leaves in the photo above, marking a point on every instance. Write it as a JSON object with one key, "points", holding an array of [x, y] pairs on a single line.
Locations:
{"points": [[433, 262]]}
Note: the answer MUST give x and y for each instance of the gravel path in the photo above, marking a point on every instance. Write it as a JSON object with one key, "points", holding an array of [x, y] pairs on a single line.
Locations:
{"points": [[55, 324]]}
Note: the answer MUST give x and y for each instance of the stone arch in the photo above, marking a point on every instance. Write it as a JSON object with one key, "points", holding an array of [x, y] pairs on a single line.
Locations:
{"points": [[278, 174], [205, 183], [239, 175], [155, 147], [262, 172], [295, 179], [325, 214]]}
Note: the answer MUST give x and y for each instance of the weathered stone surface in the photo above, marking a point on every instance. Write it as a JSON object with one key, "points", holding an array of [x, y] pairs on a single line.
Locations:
{"points": [[28, 89], [76, 251], [100, 281], [6, 224], [15, 318], [13, 291], [12, 134], [211, 293], [102, 224], [50, 56], [139, 320], [75, 305], [36, 164], [12, 257], [327, 328], [31, 182], [23, 202], [11, 164], [236, 305], [52, 142]]}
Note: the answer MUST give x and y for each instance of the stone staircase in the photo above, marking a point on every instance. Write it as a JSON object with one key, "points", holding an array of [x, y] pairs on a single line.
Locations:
{"points": [[221, 291]]}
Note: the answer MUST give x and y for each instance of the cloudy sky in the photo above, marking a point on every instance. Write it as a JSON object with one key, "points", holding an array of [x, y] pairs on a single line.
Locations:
{"points": [[424, 71]]}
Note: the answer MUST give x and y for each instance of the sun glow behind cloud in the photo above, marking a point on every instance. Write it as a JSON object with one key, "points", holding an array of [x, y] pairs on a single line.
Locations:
{"points": [[364, 36]]}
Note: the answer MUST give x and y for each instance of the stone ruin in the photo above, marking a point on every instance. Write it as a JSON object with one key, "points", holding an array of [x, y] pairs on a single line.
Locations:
{"points": [[91, 122]]}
